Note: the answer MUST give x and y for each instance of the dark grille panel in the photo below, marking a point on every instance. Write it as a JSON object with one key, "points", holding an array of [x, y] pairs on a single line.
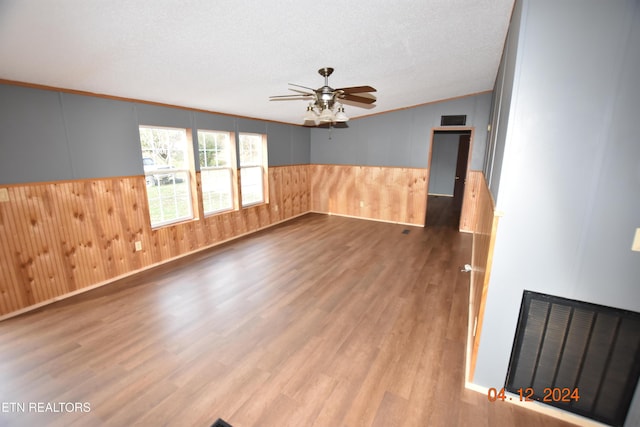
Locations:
{"points": [[562, 343], [221, 423], [460, 120]]}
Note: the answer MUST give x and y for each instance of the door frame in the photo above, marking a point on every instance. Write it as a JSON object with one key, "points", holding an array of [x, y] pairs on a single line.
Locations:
{"points": [[466, 195]]}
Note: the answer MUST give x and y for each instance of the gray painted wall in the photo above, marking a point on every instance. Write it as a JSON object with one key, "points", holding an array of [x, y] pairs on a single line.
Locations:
{"points": [[400, 138], [501, 104], [32, 136], [102, 137], [570, 180], [284, 144], [49, 136], [444, 157]]}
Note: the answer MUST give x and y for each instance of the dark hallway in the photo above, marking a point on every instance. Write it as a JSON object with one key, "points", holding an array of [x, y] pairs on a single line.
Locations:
{"points": [[442, 211]]}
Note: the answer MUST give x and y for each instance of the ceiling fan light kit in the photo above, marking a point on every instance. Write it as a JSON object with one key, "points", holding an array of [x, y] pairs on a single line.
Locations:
{"points": [[340, 116], [311, 117], [325, 107]]}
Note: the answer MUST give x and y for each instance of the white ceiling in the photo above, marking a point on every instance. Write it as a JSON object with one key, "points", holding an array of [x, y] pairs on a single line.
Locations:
{"points": [[229, 56]]}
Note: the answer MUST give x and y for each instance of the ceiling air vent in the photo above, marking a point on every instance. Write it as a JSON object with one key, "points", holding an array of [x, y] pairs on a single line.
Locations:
{"points": [[453, 120]]}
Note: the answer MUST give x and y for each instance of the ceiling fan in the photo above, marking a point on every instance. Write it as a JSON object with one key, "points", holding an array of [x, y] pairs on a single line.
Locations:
{"points": [[325, 105]]}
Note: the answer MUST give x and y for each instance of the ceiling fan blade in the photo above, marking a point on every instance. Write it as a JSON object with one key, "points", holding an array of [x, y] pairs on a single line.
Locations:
{"points": [[288, 99], [357, 89], [357, 98], [346, 102], [304, 87], [292, 96], [303, 92]]}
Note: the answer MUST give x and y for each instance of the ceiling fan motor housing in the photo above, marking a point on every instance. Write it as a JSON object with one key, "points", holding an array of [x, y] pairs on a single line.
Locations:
{"points": [[326, 96]]}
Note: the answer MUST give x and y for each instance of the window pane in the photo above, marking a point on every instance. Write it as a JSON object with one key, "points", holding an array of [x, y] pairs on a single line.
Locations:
{"points": [[216, 190], [251, 179], [164, 157], [170, 199], [163, 148], [214, 149], [252, 173], [216, 174], [250, 150]]}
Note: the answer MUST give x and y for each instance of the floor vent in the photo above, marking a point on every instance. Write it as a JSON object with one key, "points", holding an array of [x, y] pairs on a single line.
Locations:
{"points": [[577, 356], [221, 423]]}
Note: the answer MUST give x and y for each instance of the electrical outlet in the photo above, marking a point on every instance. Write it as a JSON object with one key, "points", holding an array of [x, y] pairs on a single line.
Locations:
{"points": [[636, 241], [138, 246], [275, 208], [362, 203], [4, 195]]}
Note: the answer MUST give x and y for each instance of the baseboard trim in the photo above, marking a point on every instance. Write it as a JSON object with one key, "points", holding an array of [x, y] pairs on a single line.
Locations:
{"points": [[369, 219]]}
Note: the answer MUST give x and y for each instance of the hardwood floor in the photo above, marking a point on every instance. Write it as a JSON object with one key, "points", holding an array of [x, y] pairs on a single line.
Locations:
{"points": [[320, 321], [442, 211]]}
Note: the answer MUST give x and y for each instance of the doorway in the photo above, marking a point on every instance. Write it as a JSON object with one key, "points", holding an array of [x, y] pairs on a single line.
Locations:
{"points": [[448, 165]]}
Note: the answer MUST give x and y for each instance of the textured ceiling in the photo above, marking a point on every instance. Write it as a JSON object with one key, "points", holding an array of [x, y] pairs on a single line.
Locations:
{"points": [[229, 56]]}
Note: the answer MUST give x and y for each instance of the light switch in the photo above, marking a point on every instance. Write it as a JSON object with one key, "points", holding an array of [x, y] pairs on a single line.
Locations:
{"points": [[4, 195], [636, 241]]}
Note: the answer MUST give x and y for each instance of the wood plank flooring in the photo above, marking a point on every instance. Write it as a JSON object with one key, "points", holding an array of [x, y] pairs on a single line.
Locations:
{"points": [[321, 321]]}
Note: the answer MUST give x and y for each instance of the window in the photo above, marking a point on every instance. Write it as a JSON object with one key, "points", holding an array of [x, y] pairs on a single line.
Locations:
{"points": [[217, 165], [253, 165], [166, 159]]}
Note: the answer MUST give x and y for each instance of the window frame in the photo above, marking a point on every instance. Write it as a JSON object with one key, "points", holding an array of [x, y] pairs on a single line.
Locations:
{"points": [[262, 164], [189, 171], [232, 168]]}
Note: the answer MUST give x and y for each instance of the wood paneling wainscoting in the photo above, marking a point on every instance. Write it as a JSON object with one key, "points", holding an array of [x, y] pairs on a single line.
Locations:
{"points": [[471, 202], [485, 228], [373, 192], [60, 238], [389, 194]]}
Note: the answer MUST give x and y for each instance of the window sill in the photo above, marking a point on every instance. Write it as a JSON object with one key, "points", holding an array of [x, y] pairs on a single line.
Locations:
{"points": [[212, 214], [253, 205], [173, 223]]}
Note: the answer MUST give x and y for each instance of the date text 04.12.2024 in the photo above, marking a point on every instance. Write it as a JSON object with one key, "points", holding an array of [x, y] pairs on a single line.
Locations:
{"points": [[550, 394]]}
